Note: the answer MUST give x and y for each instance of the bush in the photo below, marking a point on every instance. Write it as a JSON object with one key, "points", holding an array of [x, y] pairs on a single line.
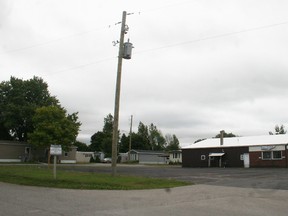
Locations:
{"points": [[175, 163], [96, 160]]}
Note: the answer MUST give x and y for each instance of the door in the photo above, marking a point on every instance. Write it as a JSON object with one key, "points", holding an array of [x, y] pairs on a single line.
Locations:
{"points": [[246, 160]]}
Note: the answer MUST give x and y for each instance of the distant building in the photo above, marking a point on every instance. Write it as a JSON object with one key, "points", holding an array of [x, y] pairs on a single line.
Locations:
{"points": [[13, 151], [68, 157], [124, 157], [175, 156], [99, 155], [149, 157], [84, 157], [250, 151]]}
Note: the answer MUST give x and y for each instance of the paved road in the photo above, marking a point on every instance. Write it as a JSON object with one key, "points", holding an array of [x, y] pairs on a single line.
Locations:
{"points": [[265, 178], [208, 197], [192, 200]]}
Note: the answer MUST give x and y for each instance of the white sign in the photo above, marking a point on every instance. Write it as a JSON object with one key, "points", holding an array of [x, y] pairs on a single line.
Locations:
{"points": [[267, 148], [55, 150]]}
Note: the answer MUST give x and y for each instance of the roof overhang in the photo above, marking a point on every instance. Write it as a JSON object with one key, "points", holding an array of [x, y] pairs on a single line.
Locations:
{"points": [[216, 154]]}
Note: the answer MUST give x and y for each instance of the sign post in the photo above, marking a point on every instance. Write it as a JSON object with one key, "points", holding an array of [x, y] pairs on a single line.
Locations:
{"points": [[55, 150]]}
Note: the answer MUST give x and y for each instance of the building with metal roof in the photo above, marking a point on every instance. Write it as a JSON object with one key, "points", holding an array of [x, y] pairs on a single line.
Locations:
{"points": [[249, 151]]}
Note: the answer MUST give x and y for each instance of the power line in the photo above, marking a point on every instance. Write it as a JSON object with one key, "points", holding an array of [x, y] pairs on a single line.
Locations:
{"points": [[58, 39], [87, 32], [142, 51], [180, 44], [214, 37], [84, 65], [172, 5]]}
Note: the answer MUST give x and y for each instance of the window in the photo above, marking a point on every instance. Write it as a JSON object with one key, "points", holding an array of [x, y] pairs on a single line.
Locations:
{"points": [[266, 155], [241, 157], [65, 154], [203, 157], [271, 155], [277, 155]]}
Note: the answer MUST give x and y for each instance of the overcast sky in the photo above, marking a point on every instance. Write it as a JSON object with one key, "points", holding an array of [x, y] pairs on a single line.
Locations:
{"points": [[198, 66]]}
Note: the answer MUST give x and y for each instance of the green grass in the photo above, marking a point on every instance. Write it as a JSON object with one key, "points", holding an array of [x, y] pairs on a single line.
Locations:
{"points": [[43, 176]]}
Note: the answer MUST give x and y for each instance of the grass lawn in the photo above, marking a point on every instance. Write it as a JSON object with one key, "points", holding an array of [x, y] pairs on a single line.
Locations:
{"points": [[34, 175]]}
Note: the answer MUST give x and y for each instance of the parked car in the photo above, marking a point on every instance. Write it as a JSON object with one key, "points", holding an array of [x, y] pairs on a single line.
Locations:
{"points": [[107, 160]]}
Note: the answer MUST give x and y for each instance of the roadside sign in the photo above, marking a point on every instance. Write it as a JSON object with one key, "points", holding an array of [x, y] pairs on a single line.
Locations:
{"points": [[55, 150]]}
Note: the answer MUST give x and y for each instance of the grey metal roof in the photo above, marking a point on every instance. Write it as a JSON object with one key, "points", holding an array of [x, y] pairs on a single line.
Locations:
{"points": [[240, 141]]}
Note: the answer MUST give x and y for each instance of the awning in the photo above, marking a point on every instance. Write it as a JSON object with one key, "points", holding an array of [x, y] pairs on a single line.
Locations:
{"points": [[216, 154]]}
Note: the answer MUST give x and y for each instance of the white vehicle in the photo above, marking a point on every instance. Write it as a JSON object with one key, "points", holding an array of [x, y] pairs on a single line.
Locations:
{"points": [[107, 160]]}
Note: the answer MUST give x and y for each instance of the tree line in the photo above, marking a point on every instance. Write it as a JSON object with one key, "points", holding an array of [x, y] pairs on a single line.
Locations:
{"points": [[29, 113], [278, 130], [147, 137]]}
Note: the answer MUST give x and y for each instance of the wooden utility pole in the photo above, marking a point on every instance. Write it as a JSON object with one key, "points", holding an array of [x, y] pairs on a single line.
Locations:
{"points": [[130, 140], [117, 96]]}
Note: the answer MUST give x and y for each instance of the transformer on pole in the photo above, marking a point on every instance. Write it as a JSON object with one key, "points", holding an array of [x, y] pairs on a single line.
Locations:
{"points": [[125, 51]]}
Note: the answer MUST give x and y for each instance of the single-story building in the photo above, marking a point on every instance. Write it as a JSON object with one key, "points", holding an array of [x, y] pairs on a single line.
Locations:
{"points": [[175, 156], [84, 157], [13, 151], [250, 151], [68, 157], [124, 157], [99, 156], [149, 157]]}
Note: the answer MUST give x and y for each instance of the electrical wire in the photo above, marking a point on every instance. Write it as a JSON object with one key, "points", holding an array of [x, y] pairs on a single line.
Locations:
{"points": [[141, 51], [214, 37], [84, 65], [180, 44], [53, 40], [110, 26]]}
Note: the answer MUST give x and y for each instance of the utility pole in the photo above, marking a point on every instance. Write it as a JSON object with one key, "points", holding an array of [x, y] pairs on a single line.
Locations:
{"points": [[130, 140], [117, 96]]}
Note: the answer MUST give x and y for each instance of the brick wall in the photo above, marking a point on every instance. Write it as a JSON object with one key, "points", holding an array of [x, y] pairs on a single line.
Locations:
{"points": [[256, 161]]}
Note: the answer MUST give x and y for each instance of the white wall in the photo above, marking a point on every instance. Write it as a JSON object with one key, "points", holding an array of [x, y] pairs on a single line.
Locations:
{"points": [[83, 157]]}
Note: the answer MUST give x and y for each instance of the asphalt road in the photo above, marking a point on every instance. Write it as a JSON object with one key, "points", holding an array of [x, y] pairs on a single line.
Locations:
{"points": [[216, 192], [265, 178]]}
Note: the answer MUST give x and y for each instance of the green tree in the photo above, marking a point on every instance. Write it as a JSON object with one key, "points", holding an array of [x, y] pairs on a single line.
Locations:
{"points": [[108, 124], [136, 142], [96, 143], [4, 133], [172, 142], [102, 140], [149, 138], [143, 137], [124, 143], [225, 135], [81, 146], [54, 126], [278, 130], [18, 101], [157, 141]]}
